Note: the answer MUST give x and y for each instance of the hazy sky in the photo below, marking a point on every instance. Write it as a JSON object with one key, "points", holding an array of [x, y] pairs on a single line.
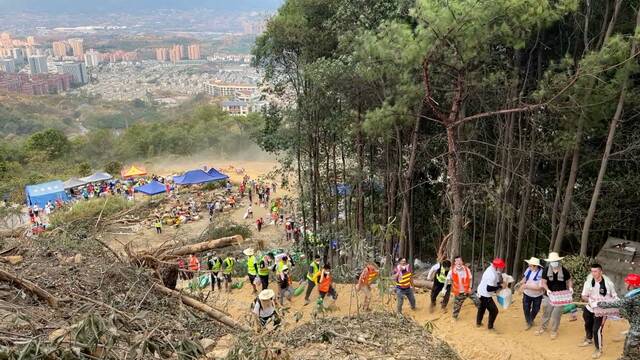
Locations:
{"points": [[72, 6]]}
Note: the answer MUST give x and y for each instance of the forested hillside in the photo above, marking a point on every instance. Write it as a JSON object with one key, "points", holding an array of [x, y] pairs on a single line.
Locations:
{"points": [[73, 140], [503, 127]]}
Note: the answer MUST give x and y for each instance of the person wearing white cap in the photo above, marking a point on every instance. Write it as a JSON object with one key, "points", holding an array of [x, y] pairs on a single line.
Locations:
{"points": [[252, 268], [555, 277], [285, 284], [531, 286], [264, 308]]}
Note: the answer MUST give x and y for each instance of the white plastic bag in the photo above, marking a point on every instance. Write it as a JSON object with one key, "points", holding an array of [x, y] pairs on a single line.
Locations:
{"points": [[504, 298]]}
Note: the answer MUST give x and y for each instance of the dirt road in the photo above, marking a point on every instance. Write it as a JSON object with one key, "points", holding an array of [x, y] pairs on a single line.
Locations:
{"points": [[510, 341]]}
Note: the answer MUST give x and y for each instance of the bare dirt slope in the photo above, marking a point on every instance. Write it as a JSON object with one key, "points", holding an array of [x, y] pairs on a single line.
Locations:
{"points": [[510, 341]]}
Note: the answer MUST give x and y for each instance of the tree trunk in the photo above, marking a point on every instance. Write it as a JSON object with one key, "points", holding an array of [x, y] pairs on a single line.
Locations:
{"points": [[522, 216], [584, 240], [213, 313], [556, 201], [568, 194], [405, 246]]}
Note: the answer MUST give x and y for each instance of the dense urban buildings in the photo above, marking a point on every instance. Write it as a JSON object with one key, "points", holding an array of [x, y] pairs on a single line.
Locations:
{"points": [[40, 84], [59, 49], [8, 65], [77, 70], [218, 88], [38, 64], [194, 52], [77, 45]]}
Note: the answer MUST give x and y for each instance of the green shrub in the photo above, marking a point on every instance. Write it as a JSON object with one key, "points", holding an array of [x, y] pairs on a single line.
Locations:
{"points": [[579, 267], [87, 212], [217, 231]]}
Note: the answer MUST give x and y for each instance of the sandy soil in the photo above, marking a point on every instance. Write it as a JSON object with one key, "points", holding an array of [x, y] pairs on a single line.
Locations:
{"points": [[510, 341]]}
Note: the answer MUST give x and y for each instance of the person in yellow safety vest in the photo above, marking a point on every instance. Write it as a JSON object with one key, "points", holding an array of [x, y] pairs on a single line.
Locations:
{"points": [[368, 275], [158, 225], [403, 276], [252, 268], [312, 277], [263, 270], [284, 261], [439, 274], [214, 263], [227, 270]]}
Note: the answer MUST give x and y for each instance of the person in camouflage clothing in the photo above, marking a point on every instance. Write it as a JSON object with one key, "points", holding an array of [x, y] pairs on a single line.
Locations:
{"points": [[629, 308]]}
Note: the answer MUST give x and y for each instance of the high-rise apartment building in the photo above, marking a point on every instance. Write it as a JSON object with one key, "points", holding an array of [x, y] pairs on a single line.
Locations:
{"points": [[194, 52], [38, 64], [59, 49], [92, 58], [162, 54], [8, 65], [18, 55], [77, 69], [176, 53], [78, 47]]}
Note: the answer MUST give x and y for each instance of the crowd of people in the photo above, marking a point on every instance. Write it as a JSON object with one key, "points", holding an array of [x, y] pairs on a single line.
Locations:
{"points": [[548, 287]]}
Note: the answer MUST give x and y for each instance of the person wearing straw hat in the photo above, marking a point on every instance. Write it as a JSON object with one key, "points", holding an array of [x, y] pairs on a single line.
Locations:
{"points": [[555, 277], [630, 309], [264, 308], [531, 286], [252, 267]]}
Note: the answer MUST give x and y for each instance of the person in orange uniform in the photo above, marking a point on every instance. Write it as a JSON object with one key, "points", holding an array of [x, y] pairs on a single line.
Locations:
{"points": [[324, 285], [194, 265], [460, 277], [368, 275], [403, 277]]}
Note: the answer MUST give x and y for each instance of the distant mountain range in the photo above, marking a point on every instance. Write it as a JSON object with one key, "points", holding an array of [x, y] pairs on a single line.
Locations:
{"points": [[91, 6]]}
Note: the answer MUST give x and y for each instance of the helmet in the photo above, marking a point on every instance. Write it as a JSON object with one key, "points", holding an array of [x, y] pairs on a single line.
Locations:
{"points": [[498, 263], [633, 280]]}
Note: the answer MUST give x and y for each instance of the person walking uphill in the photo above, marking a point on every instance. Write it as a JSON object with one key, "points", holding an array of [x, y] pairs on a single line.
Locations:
{"points": [[368, 275], [263, 270], [312, 277], [325, 284], [404, 285], [252, 268], [439, 274], [555, 277], [531, 286], [597, 287], [214, 264], [630, 309], [461, 279], [228, 264], [490, 283]]}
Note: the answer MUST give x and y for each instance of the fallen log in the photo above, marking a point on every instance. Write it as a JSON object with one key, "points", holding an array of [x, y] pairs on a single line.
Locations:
{"points": [[213, 313], [30, 287], [423, 284], [207, 245]]}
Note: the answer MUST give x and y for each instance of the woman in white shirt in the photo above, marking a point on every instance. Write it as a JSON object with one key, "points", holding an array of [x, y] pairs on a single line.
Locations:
{"points": [[531, 286], [264, 308]]}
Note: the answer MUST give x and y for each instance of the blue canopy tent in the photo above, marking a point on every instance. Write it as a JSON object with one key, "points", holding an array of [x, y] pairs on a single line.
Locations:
{"points": [[193, 177], [152, 188], [40, 194], [217, 175]]}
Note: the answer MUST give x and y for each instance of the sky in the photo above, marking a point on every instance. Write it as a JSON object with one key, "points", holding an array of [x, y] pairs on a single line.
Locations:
{"points": [[80, 6]]}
